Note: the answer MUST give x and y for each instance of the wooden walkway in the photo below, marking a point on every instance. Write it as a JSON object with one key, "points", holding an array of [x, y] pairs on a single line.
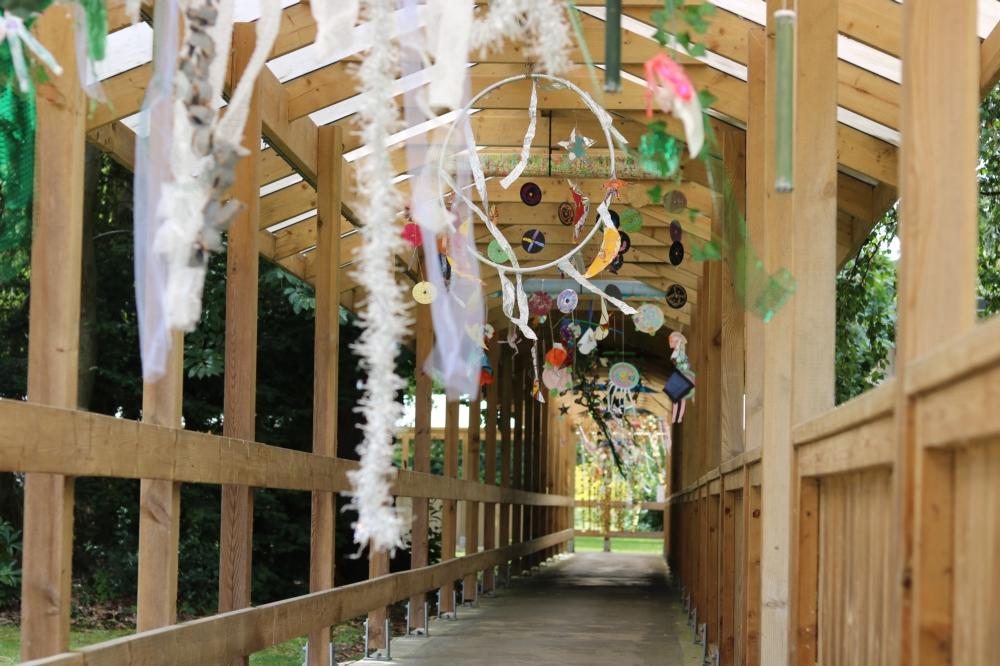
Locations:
{"points": [[588, 609]]}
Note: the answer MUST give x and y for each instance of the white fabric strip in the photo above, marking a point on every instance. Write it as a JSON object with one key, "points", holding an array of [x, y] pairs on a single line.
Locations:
{"points": [[335, 21], [529, 138], [449, 24], [569, 270]]}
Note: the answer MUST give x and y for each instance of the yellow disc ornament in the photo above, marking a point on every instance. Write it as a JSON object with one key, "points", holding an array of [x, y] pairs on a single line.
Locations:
{"points": [[424, 293]]}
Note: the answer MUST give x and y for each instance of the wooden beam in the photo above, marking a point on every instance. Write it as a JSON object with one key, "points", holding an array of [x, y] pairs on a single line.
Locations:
{"points": [[449, 508], [422, 405], [989, 63], [472, 473], [490, 508], [732, 315], [242, 257], [799, 340], [937, 292], [53, 334], [323, 532]]}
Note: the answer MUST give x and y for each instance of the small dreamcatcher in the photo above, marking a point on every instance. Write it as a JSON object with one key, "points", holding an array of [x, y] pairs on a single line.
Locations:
{"points": [[623, 379]]}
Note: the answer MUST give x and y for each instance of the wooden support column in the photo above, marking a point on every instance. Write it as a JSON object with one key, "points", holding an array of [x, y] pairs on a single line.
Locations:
{"points": [[378, 565], [490, 508], [507, 374], [160, 504], [754, 380], [240, 400], [799, 341], [516, 474], [732, 145], [449, 509], [727, 583], [422, 406], [937, 291], [54, 335], [472, 473], [322, 555]]}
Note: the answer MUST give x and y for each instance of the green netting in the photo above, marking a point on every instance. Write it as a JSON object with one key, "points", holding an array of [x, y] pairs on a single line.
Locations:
{"points": [[17, 167]]}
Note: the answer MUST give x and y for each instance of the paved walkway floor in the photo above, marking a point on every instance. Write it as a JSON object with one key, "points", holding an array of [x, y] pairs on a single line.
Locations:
{"points": [[587, 609]]}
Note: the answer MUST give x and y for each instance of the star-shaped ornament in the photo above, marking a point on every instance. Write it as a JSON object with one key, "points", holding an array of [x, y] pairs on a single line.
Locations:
{"points": [[577, 146], [563, 410]]}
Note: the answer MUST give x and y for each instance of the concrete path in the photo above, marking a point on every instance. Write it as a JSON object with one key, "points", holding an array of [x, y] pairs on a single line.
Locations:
{"points": [[585, 610]]}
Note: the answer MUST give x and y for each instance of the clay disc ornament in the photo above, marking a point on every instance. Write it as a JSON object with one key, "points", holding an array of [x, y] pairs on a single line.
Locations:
{"points": [[617, 263], [626, 243], [631, 220], [495, 252], [623, 376], [539, 304], [648, 319], [531, 194], [567, 301], [676, 231], [533, 241], [567, 212], [675, 201], [613, 291], [676, 253], [424, 293], [677, 296]]}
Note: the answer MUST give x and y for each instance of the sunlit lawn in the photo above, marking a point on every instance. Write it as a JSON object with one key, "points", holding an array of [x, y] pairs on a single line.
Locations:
{"points": [[595, 544], [285, 654]]}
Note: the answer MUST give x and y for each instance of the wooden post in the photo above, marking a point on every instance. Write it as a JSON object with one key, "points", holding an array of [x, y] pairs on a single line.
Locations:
{"points": [[507, 374], [449, 525], [939, 118], [472, 508], [490, 509], [516, 475], [732, 144], [799, 342], [378, 565], [54, 335], [160, 504], [807, 587], [236, 541], [322, 554], [422, 405], [754, 380], [727, 582]]}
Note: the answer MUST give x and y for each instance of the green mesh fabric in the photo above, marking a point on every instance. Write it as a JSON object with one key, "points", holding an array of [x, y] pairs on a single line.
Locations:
{"points": [[17, 168], [96, 12]]}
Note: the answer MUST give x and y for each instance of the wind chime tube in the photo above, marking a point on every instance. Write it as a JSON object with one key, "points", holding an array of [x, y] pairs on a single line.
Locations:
{"points": [[613, 46], [784, 21]]}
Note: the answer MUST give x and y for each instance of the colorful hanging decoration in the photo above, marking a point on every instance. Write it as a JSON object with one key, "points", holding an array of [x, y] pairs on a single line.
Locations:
{"points": [[676, 231], [485, 372], [424, 292], [576, 146], [581, 205], [604, 325], [557, 356], [566, 214], [676, 253], [659, 154], [676, 296], [623, 379], [539, 304], [671, 89], [680, 384], [587, 342], [625, 243], [648, 319], [675, 201], [411, 234], [533, 241], [496, 253], [531, 194], [567, 300], [610, 244]]}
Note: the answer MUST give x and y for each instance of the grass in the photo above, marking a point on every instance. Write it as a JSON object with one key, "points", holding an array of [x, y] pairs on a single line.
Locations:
{"points": [[285, 654], [595, 544]]}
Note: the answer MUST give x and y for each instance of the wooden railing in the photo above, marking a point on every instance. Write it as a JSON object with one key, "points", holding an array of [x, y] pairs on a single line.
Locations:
{"points": [[39, 439]]}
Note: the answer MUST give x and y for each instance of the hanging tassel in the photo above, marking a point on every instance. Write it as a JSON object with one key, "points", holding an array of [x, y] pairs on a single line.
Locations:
{"points": [[613, 46], [784, 20]]}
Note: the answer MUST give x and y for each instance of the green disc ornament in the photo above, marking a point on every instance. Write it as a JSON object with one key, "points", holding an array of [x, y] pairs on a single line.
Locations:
{"points": [[631, 220], [495, 252]]}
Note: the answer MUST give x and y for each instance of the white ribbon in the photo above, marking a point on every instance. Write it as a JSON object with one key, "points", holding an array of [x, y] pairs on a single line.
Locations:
{"points": [[449, 24], [335, 21], [529, 138]]}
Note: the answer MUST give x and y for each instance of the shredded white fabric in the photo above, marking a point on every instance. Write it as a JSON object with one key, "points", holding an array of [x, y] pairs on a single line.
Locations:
{"points": [[529, 138], [335, 21], [449, 23], [384, 315]]}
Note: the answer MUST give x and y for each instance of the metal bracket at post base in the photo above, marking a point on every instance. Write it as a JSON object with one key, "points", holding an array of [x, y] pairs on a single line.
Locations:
{"points": [[378, 656], [305, 654]]}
